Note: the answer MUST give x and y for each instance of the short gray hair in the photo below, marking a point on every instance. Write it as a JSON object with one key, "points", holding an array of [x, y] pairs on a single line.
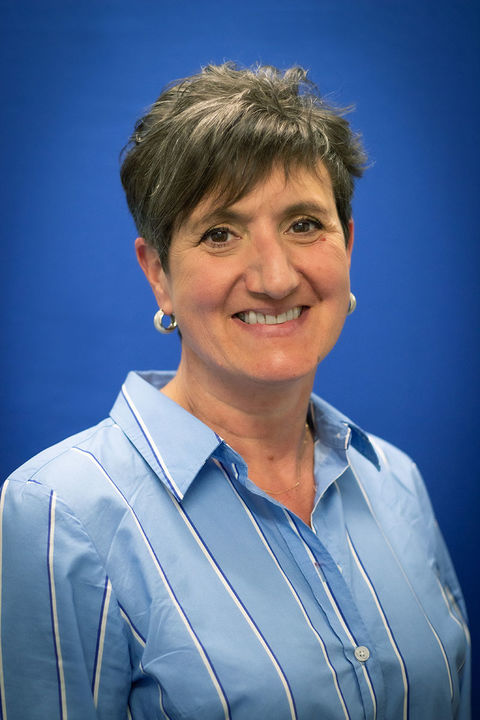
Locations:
{"points": [[221, 132]]}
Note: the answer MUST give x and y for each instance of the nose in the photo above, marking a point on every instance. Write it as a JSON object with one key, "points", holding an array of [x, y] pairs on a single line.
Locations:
{"points": [[270, 270]]}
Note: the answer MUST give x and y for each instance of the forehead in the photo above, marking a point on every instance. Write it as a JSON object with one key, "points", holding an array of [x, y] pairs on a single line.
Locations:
{"points": [[280, 187]]}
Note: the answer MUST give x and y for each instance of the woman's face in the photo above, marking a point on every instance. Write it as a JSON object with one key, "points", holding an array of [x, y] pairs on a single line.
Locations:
{"points": [[260, 289]]}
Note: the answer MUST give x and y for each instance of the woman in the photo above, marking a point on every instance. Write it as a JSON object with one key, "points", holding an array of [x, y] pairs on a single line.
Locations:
{"points": [[225, 544]]}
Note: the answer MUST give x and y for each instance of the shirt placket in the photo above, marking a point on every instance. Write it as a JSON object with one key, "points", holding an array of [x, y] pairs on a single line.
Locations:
{"points": [[338, 608], [333, 597]]}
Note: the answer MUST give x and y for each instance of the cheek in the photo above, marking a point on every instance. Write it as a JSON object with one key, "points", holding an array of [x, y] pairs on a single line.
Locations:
{"points": [[330, 278], [198, 294], [328, 266]]}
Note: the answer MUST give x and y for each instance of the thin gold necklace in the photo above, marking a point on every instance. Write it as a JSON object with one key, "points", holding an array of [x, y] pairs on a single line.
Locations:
{"points": [[298, 483]]}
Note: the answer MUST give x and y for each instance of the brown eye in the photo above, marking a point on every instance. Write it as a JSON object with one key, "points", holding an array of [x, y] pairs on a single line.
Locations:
{"points": [[305, 225], [217, 236]]}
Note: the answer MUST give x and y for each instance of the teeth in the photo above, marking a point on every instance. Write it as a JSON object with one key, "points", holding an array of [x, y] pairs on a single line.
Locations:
{"points": [[253, 318]]}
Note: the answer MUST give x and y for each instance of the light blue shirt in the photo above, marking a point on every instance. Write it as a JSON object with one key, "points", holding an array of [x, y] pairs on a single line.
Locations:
{"points": [[145, 576]]}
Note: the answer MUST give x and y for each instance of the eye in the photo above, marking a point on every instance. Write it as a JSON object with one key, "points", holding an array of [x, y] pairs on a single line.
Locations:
{"points": [[305, 225], [217, 236]]}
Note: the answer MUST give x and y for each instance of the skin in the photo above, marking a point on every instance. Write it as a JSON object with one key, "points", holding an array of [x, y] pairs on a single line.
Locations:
{"points": [[280, 247]]}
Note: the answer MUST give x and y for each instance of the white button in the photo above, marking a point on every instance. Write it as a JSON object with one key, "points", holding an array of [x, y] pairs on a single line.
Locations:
{"points": [[362, 653]]}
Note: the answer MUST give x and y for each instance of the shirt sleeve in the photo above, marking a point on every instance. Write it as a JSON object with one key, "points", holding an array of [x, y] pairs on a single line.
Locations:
{"points": [[64, 652], [450, 589]]}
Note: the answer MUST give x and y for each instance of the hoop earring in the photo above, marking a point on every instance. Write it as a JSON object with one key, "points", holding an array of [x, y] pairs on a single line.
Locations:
{"points": [[352, 304], [164, 329]]}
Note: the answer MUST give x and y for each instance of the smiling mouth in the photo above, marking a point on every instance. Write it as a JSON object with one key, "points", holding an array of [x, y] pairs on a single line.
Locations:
{"points": [[256, 318]]}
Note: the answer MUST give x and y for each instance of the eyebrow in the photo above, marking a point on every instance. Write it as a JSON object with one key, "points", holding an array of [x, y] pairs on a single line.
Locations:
{"points": [[227, 215]]}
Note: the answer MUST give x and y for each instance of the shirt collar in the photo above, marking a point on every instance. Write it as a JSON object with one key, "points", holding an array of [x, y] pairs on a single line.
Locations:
{"points": [[338, 431], [177, 445], [174, 443]]}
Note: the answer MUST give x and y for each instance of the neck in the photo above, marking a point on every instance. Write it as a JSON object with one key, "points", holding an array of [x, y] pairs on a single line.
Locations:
{"points": [[245, 412], [265, 423]]}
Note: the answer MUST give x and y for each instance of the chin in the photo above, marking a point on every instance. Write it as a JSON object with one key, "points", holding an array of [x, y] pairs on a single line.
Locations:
{"points": [[283, 370]]}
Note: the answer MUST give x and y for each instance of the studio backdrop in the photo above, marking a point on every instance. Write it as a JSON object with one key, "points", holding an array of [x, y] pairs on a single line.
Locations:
{"points": [[76, 310]]}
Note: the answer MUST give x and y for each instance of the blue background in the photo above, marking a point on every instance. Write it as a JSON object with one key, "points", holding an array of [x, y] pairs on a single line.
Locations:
{"points": [[77, 313]]}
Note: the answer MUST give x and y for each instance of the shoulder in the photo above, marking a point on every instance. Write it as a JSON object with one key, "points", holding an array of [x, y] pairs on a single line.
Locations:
{"points": [[367, 450], [402, 479], [73, 472], [394, 460], [397, 495], [48, 465], [387, 474]]}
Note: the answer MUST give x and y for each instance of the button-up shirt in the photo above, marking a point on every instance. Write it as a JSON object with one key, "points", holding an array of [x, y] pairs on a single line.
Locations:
{"points": [[144, 575]]}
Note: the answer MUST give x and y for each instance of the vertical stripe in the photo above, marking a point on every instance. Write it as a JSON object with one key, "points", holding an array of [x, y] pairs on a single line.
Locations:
{"points": [[250, 621], [151, 443], [336, 609], [132, 627], [459, 613], [188, 626], [388, 629], [289, 585], [447, 604], [3, 705], [162, 708], [454, 610], [142, 642], [394, 555], [53, 604], [160, 694], [101, 640]]}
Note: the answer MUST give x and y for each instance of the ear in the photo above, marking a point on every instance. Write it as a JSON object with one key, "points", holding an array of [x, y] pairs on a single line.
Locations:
{"points": [[350, 240], [150, 263]]}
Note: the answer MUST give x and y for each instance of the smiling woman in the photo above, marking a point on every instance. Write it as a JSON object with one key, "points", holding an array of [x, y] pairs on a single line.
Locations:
{"points": [[278, 250], [226, 544]]}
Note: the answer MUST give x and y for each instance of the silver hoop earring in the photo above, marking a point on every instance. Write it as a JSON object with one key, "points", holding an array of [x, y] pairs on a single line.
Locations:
{"points": [[165, 329], [352, 304]]}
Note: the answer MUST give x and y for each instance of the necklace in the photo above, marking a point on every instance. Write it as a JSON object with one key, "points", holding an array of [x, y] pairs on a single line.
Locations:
{"points": [[281, 492], [298, 483]]}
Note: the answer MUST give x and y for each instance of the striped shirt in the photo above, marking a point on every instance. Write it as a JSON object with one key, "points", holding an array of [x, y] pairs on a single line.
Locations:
{"points": [[144, 576]]}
